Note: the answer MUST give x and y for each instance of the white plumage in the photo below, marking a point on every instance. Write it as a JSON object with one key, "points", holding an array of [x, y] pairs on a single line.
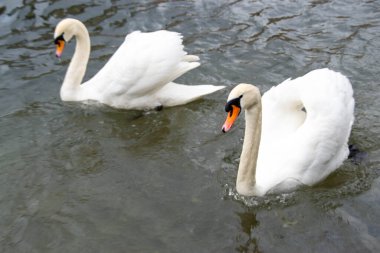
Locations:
{"points": [[139, 75], [306, 123]]}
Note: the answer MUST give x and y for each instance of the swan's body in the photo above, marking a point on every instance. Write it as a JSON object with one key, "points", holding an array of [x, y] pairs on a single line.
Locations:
{"points": [[139, 75], [305, 124]]}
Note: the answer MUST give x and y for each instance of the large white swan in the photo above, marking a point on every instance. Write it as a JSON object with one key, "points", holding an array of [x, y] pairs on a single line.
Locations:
{"points": [[139, 75], [296, 134]]}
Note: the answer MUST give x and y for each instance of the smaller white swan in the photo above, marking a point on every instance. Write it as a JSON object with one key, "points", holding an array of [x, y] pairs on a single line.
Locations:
{"points": [[139, 75], [296, 134]]}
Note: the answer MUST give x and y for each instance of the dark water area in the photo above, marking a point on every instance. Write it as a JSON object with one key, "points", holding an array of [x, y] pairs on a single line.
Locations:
{"points": [[88, 178]]}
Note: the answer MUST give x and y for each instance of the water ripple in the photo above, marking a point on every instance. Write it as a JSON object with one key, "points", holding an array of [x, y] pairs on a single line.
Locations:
{"points": [[84, 176]]}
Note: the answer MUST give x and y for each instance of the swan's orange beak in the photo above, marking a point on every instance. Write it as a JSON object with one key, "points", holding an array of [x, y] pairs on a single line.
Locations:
{"points": [[231, 117], [60, 46]]}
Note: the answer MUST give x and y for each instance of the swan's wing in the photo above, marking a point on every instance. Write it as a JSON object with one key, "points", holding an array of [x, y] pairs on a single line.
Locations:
{"points": [[173, 94], [305, 145], [143, 64], [330, 115]]}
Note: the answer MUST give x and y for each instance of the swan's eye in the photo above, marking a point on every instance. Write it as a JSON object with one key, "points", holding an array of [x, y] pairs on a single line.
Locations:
{"points": [[59, 39], [229, 105]]}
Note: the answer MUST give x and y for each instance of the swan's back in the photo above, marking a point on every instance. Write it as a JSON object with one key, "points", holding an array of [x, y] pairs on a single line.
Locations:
{"points": [[141, 66], [306, 125]]}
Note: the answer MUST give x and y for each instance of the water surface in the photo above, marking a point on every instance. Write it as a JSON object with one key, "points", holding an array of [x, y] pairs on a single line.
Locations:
{"points": [[84, 178]]}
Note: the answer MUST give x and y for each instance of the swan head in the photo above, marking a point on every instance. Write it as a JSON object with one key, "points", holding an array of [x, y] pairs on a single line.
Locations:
{"points": [[64, 32], [243, 96]]}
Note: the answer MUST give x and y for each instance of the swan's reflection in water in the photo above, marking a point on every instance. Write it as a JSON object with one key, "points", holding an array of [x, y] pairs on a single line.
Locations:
{"points": [[247, 242]]}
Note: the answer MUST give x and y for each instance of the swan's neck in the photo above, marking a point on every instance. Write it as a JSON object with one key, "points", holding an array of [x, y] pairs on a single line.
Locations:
{"points": [[71, 85], [246, 177]]}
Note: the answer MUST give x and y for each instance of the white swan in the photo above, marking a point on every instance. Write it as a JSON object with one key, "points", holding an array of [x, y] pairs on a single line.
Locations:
{"points": [[295, 135], [139, 75]]}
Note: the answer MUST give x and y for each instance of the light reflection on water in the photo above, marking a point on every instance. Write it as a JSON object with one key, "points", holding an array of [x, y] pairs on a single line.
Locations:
{"points": [[83, 178]]}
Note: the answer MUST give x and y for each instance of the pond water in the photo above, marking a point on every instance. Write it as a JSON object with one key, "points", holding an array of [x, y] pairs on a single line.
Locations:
{"points": [[86, 178]]}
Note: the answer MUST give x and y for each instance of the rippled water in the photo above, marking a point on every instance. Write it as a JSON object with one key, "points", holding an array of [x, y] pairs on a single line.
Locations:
{"points": [[82, 178]]}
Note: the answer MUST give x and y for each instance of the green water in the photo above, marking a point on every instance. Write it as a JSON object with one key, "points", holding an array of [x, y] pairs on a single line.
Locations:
{"points": [[85, 178]]}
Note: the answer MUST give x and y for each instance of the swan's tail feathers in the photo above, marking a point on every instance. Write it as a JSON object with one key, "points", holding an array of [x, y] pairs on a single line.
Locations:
{"points": [[183, 67], [191, 58], [188, 63], [191, 65], [174, 94]]}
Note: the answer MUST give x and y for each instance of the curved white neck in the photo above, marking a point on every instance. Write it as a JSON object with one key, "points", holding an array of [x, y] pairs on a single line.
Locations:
{"points": [[246, 177], [77, 68]]}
